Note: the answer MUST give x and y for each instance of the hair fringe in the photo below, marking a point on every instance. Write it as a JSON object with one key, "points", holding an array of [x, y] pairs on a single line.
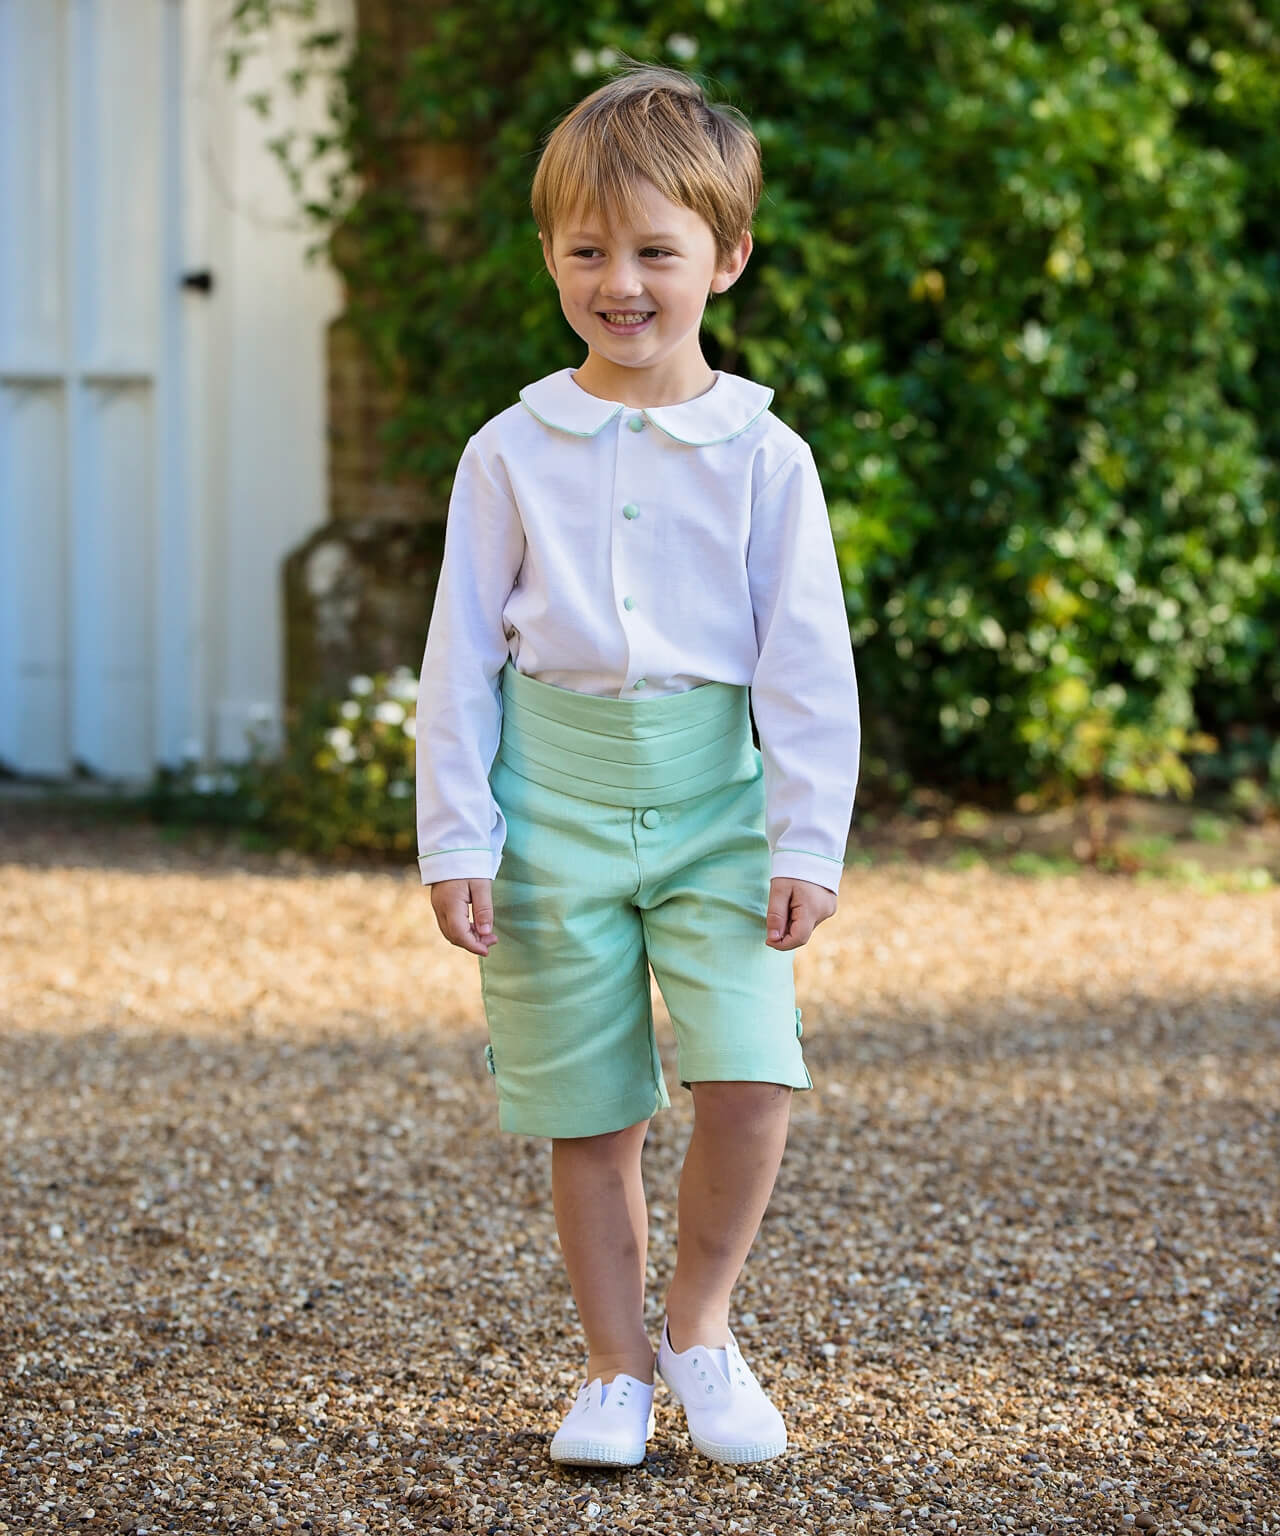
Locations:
{"points": [[650, 122]]}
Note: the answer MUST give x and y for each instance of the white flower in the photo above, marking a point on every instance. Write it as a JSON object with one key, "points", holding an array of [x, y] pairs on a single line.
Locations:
{"points": [[403, 686], [607, 58], [360, 684], [682, 45], [582, 61], [347, 754], [350, 710], [411, 727], [389, 712], [1035, 342], [339, 738], [399, 788]]}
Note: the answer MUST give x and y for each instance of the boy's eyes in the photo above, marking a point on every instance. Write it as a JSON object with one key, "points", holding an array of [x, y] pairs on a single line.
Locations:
{"points": [[591, 250]]}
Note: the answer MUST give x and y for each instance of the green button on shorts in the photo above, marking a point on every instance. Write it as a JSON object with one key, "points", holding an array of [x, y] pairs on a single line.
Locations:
{"points": [[635, 839]]}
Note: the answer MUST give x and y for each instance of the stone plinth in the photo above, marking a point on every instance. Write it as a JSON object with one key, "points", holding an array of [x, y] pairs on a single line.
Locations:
{"points": [[358, 598]]}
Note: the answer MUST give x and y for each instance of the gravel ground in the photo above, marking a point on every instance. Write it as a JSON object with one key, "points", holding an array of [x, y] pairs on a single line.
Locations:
{"points": [[266, 1263]]}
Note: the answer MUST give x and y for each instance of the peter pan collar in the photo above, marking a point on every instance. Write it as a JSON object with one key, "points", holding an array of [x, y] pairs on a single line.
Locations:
{"points": [[726, 409]]}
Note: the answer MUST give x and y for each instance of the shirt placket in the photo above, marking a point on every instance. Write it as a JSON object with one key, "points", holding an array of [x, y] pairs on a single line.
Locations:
{"points": [[630, 508]]}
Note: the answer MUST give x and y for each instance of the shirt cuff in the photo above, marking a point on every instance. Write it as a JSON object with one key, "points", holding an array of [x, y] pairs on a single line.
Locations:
{"points": [[792, 864], [456, 864]]}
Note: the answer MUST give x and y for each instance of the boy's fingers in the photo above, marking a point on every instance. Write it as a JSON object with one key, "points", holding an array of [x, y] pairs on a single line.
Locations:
{"points": [[796, 935], [802, 926], [463, 937], [775, 921], [482, 906], [795, 910], [456, 927], [451, 899]]}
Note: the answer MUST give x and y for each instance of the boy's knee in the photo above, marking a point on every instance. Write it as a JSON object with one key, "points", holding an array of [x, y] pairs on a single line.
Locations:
{"points": [[607, 1147], [741, 1105]]}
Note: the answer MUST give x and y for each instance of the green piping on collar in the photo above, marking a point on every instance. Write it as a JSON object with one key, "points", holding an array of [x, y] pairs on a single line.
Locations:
{"points": [[705, 442], [573, 431]]}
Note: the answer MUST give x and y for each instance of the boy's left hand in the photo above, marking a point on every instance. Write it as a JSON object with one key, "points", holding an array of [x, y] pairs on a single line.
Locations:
{"points": [[796, 907]]}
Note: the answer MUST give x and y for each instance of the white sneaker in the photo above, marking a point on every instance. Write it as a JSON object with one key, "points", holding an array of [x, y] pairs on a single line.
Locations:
{"points": [[730, 1418], [607, 1426]]}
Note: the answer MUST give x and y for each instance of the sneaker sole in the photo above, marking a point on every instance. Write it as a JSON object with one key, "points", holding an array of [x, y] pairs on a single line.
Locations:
{"points": [[590, 1453], [730, 1454], [735, 1455], [595, 1453]]}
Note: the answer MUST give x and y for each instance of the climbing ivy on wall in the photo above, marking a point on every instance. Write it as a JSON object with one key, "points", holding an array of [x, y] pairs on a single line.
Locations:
{"points": [[1016, 278]]}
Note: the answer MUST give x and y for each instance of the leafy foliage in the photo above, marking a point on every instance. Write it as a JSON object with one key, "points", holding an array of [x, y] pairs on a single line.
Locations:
{"points": [[343, 785], [1015, 278]]}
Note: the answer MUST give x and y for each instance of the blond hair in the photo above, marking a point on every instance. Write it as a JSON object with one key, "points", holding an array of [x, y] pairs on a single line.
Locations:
{"points": [[655, 123]]}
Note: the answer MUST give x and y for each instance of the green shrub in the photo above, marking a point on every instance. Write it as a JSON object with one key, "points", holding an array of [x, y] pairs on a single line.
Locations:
{"points": [[1015, 279], [343, 783]]}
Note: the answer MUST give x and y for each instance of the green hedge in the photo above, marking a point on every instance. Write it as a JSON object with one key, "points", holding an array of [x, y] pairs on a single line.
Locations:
{"points": [[1016, 279], [343, 785]]}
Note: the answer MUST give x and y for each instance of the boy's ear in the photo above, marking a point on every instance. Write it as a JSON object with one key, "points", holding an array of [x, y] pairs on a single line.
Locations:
{"points": [[729, 274]]}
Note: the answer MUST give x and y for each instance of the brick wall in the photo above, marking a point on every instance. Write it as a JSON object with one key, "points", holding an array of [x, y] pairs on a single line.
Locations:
{"points": [[358, 592]]}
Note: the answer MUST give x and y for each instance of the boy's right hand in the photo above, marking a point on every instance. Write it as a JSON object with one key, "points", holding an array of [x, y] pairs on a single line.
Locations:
{"points": [[450, 899]]}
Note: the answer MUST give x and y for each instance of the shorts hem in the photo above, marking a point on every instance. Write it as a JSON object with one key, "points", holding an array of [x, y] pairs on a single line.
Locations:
{"points": [[616, 1115], [745, 1072]]}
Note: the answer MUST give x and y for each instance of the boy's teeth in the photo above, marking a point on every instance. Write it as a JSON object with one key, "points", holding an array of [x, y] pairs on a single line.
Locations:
{"points": [[631, 317]]}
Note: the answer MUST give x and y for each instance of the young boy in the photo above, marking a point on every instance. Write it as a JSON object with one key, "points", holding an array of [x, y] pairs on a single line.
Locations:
{"points": [[637, 551]]}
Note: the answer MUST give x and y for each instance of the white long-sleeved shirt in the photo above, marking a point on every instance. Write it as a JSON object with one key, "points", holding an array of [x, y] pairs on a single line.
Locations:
{"points": [[636, 552]]}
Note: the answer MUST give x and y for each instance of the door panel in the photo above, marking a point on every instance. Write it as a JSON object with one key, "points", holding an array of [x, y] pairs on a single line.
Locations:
{"points": [[33, 573], [113, 586], [88, 214], [117, 109], [32, 290]]}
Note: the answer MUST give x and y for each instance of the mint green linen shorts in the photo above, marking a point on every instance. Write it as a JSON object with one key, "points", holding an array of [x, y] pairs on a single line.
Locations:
{"points": [[635, 839]]}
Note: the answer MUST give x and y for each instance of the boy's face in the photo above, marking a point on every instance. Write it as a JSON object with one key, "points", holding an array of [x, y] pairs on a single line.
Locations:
{"points": [[635, 293]]}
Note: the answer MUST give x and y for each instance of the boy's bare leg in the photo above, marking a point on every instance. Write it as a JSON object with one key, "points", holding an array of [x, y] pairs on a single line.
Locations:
{"points": [[603, 1224], [739, 1133]]}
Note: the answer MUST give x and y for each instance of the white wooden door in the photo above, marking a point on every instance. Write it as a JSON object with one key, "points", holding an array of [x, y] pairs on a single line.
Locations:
{"points": [[94, 541]]}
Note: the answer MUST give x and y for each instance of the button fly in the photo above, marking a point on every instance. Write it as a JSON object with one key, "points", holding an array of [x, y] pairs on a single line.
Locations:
{"points": [[651, 818]]}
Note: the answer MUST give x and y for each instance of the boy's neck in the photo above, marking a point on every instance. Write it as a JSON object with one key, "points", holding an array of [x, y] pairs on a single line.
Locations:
{"points": [[671, 383]]}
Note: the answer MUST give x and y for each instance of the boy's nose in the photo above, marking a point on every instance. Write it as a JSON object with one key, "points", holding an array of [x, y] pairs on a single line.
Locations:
{"points": [[621, 283]]}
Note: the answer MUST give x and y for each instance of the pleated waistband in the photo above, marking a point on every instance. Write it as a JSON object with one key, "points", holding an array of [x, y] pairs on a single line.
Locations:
{"points": [[616, 752]]}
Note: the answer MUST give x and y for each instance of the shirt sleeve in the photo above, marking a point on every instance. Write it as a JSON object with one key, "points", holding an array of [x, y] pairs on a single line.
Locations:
{"points": [[804, 693], [461, 830]]}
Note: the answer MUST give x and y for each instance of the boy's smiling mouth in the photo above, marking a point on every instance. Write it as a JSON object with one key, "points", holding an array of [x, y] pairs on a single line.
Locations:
{"points": [[625, 320]]}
